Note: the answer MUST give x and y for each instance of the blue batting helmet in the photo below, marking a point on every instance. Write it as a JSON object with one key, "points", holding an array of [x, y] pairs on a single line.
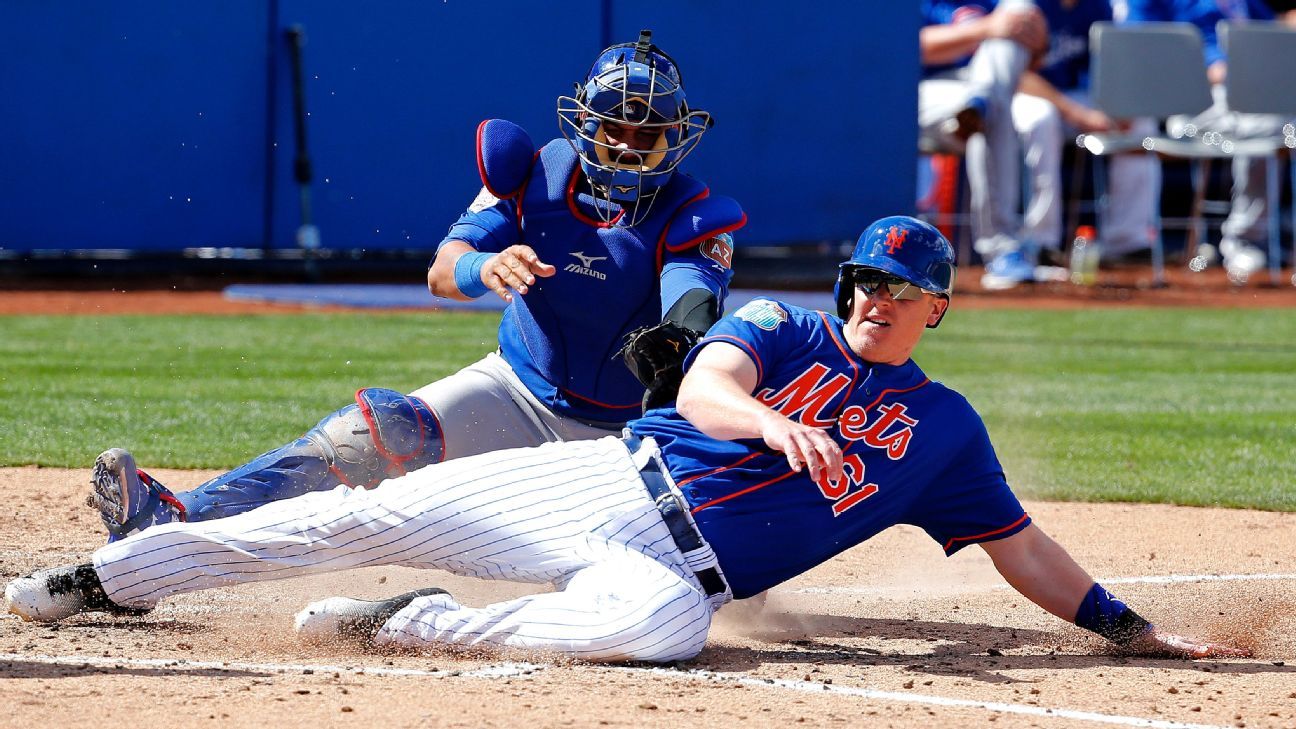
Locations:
{"points": [[639, 85], [901, 246]]}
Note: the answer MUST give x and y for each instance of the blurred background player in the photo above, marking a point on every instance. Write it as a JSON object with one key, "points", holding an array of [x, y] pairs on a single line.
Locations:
{"points": [[974, 53], [1051, 108], [599, 220]]}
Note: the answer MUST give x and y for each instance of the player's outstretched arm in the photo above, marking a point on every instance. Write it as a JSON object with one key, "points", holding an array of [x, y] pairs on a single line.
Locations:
{"points": [[1042, 571], [715, 396], [460, 272]]}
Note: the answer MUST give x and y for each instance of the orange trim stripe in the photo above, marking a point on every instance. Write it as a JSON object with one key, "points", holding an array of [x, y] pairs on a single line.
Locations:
{"points": [[978, 537], [661, 238], [575, 210], [735, 464], [707, 236], [569, 393], [841, 347], [744, 346], [747, 490]]}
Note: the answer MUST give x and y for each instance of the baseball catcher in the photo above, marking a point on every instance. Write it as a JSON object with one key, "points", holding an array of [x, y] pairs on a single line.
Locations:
{"points": [[597, 220]]}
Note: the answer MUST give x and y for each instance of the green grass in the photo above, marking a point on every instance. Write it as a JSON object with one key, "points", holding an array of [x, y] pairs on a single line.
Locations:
{"points": [[1157, 405], [1162, 405]]}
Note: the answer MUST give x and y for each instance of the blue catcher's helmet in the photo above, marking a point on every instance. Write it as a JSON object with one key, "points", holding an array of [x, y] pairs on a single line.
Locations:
{"points": [[901, 246], [636, 85]]}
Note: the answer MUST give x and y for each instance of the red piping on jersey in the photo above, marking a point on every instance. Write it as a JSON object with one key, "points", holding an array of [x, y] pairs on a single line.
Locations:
{"points": [[743, 345], [762, 485], [736, 494], [575, 209], [855, 368], [890, 390], [711, 234], [481, 163], [661, 239], [521, 193], [735, 464], [979, 537], [569, 393]]}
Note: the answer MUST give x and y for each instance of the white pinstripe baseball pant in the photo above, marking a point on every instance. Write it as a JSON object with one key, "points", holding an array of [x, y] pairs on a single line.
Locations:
{"points": [[574, 514]]}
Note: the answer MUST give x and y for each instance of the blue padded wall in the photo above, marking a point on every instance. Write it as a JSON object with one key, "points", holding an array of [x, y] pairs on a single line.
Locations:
{"points": [[158, 126]]}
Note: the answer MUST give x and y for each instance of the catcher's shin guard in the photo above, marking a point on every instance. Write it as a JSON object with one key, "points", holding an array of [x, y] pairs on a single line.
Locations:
{"points": [[384, 435]]}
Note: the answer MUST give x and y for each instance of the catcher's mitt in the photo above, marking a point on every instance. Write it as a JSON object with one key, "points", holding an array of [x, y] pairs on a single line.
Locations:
{"points": [[655, 356]]}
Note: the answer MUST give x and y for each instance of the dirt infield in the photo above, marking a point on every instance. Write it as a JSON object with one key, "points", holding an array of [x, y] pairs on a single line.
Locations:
{"points": [[891, 634]]}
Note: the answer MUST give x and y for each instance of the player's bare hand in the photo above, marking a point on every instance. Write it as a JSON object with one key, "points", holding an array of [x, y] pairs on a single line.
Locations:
{"points": [[804, 446], [1158, 643], [1024, 24], [1089, 120], [514, 269]]}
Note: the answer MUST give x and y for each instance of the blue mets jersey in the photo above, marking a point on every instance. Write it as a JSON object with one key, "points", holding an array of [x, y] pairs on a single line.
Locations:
{"points": [[915, 453], [562, 336]]}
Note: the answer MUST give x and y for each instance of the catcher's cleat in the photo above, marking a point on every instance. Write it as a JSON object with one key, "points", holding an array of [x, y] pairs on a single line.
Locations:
{"points": [[128, 499], [51, 595], [345, 617]]}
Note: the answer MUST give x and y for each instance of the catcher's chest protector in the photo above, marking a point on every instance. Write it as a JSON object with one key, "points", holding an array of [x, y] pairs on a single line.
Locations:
{"points": [[561, 337]]}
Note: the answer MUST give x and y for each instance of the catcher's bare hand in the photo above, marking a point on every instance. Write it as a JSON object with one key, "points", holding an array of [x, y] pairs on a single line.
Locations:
{"points": [[1157, 643], [803, 445], [514, 269]]}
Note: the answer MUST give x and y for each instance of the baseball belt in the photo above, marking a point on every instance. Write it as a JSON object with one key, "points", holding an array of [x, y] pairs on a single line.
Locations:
{"points": [[675, 514]]}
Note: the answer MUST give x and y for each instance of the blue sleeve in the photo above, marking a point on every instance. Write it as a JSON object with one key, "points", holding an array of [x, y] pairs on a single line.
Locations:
{"points": [[763, 329], [970, 502], [1147, 11], [490, 229], [707, 265]]}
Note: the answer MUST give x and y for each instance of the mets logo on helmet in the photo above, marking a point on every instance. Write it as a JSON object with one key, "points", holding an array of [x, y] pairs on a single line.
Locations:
{"points": [[895, 240]]}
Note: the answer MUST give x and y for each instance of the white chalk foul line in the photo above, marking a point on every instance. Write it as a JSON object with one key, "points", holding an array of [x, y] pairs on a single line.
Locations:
{"points": [[1141, 580], [1168, 579], [502, 670], [516, 670], [931, 700]]}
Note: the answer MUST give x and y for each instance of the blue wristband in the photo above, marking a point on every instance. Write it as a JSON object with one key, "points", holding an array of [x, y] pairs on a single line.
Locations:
{"points": [[467, 274], [1107, 616]]}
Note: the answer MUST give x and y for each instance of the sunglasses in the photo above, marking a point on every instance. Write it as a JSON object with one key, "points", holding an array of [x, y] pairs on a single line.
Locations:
{"points": [[871, 280]]}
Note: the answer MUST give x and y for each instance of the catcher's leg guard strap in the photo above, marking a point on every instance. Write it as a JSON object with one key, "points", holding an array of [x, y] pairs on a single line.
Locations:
{"points": [[385, 434]]}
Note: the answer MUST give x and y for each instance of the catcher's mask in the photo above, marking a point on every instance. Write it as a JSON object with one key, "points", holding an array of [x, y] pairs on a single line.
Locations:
{"points": [[630, 85], [902, 253]]}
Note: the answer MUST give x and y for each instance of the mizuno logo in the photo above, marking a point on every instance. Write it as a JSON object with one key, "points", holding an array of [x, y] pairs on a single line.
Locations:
{"points": [[625, 188], [585, 267]]}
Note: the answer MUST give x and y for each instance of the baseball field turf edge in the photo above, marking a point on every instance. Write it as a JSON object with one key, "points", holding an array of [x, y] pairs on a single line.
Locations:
{"points": [[1185, 406]]}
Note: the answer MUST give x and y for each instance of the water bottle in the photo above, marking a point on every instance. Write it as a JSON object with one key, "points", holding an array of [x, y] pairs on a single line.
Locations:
{"points": [[1084, 256]]}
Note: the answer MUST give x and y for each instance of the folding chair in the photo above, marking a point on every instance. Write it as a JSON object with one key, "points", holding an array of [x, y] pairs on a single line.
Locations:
{"points": [[1145, 70], [1261, 59]]}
